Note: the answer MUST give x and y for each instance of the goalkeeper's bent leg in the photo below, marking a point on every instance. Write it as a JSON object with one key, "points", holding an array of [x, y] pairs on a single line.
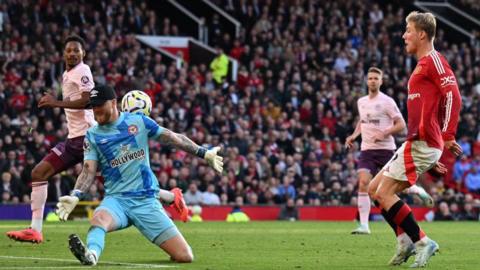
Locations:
{"points": [[96, 239]]}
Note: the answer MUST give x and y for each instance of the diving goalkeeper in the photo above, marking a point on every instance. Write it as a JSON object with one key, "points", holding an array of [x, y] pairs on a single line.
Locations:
{"points": [[118, 145]]}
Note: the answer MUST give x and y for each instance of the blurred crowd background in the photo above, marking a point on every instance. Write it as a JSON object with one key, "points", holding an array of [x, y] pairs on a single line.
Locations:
{"points": [[282, 124]]}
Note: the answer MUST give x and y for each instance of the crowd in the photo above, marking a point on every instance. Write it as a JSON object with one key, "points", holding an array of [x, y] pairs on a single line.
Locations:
{"points": [[282, 124]]}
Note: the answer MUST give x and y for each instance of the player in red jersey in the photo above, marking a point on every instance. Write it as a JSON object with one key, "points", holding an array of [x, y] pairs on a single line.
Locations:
{"points": [[433, 105]]}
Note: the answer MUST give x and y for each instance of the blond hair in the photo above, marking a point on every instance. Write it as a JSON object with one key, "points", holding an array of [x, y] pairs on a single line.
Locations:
{"points": [[375, 70], [423, 22]]}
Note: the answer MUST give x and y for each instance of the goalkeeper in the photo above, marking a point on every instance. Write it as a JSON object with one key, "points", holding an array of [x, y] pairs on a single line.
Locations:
{"points": [[118, 145]]}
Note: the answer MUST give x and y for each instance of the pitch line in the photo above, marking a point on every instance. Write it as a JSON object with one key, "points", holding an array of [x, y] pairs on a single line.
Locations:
{"points": [[131, 265]]}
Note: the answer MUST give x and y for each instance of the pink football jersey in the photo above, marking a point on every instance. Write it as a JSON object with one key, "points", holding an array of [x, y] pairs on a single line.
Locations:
{"points": [[377, 115], [75, 82]]}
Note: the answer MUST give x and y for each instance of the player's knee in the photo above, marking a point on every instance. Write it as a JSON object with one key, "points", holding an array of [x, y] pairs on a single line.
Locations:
{"points": [[101, 219], [363, 185], [185, 256], [38, 174], [380, 197]]}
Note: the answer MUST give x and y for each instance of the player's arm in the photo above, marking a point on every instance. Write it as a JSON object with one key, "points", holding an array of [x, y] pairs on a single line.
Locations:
{"points": [[86, 178], [48, 100], [66, 204], [398, 126], [447, 84], [398, 122], [453, 105], [182, 142], [350, 139], [84, 82]]}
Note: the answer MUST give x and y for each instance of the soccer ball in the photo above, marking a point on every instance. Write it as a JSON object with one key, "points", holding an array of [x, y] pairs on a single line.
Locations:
{"points": [[137, 101]]}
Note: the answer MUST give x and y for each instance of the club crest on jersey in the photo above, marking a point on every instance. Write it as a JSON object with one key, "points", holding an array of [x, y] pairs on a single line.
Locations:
{"points": [[417, 70], [133, 129], [84, 79]]}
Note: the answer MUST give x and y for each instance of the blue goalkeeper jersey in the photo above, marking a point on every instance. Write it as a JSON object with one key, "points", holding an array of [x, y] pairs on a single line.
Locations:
{"points": [[121, 150]]}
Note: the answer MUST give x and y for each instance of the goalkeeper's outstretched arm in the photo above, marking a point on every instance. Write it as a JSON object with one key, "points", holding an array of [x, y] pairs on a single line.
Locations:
{"points": [[86, 177], [66, 204], [182, 142]]}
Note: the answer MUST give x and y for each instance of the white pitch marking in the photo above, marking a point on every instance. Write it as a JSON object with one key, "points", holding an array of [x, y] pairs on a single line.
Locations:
{"points": [[54, 267], [133, 265]]}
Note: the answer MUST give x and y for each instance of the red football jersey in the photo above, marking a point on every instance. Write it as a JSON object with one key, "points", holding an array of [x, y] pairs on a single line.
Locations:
{"points": [[434, 101]]}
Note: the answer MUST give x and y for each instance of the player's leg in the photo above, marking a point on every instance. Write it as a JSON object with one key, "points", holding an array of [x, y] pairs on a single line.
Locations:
{"points": [[108, 217], [176, 246], [62, 156], [39, 175], [175, 197], [405, 247], [413, 159], [151, 220], [422, 194], [364, 203], [402, 237]]}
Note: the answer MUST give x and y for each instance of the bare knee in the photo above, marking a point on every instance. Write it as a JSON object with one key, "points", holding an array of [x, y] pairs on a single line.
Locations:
{"points": [[363, 184], [380, 197], [104, 220], [184, 256]]}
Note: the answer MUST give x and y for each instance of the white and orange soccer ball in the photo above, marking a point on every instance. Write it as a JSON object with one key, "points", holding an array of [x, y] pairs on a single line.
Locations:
{"points": [[136, 101]]}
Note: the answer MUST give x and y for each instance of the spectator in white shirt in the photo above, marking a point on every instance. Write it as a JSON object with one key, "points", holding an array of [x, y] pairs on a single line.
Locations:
{"points": [[210, 197], [193, 196]]}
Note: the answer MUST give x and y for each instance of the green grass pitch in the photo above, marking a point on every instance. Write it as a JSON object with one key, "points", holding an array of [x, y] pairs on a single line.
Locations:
{"points": [[254, 245]]}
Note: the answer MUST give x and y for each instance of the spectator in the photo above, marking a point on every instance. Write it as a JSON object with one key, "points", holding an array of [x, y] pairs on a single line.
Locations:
{"points": [[289, 211], [460, 169], [210, 197], [469, 212], [286, 190], [9, 188], [57, 188], [193, 196], [443, 212], [237, 214], [456, 212], [472, 180], [219, 66]]}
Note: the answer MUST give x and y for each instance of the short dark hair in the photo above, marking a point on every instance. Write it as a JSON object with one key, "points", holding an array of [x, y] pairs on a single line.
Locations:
{"points": [[375, 70], [74, 38]]}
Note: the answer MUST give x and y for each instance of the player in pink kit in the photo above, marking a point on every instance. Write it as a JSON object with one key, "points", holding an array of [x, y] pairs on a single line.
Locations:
{"points": [[433, 104], [380, 118], [76, 85]]}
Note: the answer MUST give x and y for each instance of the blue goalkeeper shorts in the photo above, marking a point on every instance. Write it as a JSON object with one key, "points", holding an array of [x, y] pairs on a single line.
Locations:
{"points": [[146, 214]]}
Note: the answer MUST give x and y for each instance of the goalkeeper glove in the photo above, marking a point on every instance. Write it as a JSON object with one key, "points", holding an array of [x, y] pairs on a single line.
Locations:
{"points": [[66, 204], [212, 158]]}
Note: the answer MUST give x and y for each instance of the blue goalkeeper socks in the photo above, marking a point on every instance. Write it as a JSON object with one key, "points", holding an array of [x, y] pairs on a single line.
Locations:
{"points": [[96, 239]]}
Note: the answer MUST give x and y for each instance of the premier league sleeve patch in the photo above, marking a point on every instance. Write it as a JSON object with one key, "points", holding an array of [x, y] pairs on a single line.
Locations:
{"points": [[86, 145]]}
